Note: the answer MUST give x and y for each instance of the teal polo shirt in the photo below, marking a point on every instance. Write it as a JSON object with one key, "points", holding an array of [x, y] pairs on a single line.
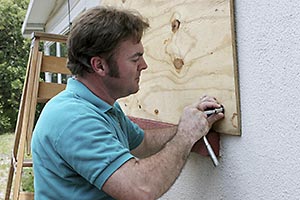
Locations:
{"points": [[79, 141]]}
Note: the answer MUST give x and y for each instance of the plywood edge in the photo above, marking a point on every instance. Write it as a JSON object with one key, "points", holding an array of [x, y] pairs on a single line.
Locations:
{"points": [[235, 65]]}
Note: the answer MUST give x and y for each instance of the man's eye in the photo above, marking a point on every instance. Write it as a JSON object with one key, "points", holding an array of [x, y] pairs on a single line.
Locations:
{"points": [[135, 60]]}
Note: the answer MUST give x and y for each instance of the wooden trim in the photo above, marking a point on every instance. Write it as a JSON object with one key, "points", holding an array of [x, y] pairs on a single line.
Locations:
{"points": [[54, 64], [49, 37], [27, 163], [26, 196], [49, 90], [147, 124]]}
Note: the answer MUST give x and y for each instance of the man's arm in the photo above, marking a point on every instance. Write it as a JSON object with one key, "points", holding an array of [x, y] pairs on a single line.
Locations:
{"points": [[151, 177], [154, 140]]}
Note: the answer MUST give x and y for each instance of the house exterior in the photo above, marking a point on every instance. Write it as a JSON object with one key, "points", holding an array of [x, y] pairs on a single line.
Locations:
{"points": [[53, 16], [264, 162]]}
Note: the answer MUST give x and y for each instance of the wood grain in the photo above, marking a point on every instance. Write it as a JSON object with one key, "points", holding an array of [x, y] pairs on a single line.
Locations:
{"points": [[190, 52]]}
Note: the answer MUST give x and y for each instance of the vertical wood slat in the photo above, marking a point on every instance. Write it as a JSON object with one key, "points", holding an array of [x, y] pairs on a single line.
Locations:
{"points": [[18, 126], [25, 121], [33, 102], [27, 109]]}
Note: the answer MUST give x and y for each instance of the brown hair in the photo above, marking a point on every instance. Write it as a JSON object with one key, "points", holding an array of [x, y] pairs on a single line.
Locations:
{"points": [[98, 32]]}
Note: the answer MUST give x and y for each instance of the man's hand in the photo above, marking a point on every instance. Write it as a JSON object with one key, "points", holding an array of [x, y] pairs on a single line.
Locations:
{"points": [[194, 123]]}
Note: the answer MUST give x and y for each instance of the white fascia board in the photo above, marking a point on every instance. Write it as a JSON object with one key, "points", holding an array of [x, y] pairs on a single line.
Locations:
{"points": [[52, 16], [37, 15], [58, 22]]}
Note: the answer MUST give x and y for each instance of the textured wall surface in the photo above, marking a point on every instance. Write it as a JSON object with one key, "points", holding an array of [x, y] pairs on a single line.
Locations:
{"points": [[264, 163]]}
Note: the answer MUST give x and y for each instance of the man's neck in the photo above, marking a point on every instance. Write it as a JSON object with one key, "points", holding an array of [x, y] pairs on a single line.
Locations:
{"points": [[97, 87]]}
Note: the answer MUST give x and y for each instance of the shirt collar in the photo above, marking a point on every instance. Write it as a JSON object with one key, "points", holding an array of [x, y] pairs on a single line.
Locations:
{"points": [[80, 90]]}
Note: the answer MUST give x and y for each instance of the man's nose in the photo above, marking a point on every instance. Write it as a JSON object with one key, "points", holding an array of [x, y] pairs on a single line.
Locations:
{"points": [[143, 65]]}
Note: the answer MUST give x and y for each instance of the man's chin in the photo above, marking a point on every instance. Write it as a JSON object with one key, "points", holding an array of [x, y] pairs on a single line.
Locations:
{"points": [[135, 90]]}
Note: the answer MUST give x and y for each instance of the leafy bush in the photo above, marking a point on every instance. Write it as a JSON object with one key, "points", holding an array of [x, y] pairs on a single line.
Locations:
{"points": [[27, 180], [14, 50]]}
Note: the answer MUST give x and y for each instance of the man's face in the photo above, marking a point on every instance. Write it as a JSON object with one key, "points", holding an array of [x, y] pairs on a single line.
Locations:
{"points": [[130, 62]]}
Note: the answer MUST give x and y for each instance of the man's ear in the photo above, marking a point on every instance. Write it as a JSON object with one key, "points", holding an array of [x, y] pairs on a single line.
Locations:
{"points": [[99, 65]]}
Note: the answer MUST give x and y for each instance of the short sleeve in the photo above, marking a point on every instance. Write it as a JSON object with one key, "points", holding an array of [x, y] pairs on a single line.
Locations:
{"points": [[135, 134], [90, 148]]}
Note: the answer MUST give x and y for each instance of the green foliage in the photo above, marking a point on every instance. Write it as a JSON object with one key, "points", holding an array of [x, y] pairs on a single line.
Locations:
{"points": [[6, 145], [27, 180], [14, 50]]}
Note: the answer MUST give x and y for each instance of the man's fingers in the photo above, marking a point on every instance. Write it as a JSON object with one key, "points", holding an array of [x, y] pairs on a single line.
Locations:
{"points": [[215, 117], [208, 105]]}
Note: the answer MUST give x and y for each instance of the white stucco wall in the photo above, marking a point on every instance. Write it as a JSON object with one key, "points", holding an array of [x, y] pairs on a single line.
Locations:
{"points": [[264, 163]]}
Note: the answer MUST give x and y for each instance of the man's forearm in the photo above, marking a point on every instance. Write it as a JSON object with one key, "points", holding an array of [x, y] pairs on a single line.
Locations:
{"points": [[166, 164], [154, 140], [154, 175]]}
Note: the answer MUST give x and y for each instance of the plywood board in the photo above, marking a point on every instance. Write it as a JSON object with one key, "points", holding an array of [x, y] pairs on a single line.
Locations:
{"points": [[190, 52]]}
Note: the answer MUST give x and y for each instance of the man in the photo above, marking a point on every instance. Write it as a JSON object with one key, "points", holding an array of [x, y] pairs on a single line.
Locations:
{"points": [[84, 147]]}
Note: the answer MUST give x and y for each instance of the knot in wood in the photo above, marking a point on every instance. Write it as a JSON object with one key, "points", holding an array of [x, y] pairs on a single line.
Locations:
{"points": [[178, 63], [175, 25]]}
